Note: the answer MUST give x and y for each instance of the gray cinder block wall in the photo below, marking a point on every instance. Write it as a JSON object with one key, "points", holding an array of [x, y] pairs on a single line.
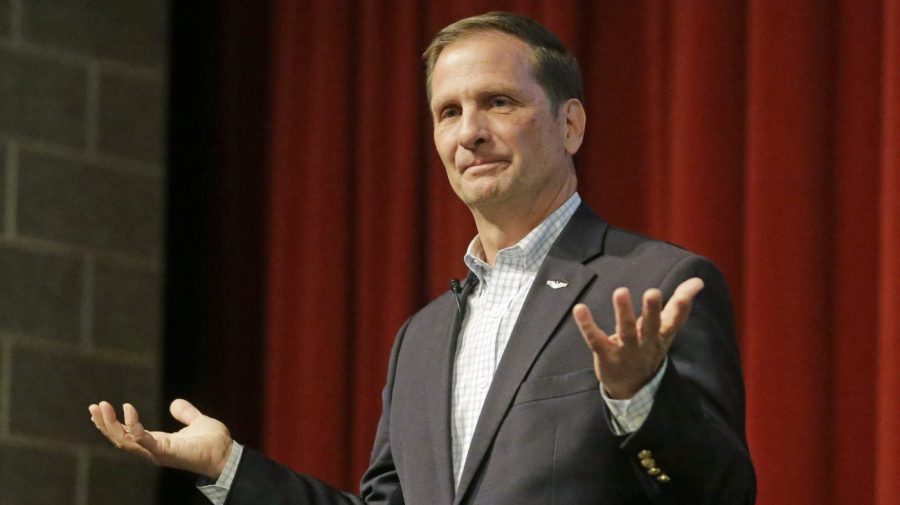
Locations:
{"points": [[82, 118]]}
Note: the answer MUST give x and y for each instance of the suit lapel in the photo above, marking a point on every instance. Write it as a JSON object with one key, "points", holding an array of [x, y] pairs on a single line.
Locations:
{"points": [[440, 389], [544, 309]]}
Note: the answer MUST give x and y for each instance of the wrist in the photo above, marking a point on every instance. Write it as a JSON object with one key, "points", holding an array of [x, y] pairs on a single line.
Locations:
{"points": [[219, 459], [626, 388]]}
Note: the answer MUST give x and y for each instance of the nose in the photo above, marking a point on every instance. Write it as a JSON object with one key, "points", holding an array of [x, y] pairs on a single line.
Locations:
{"points": [[473, 129]]}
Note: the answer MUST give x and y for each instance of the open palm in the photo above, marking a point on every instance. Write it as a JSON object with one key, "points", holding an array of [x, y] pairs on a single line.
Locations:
{"points": [[202, 446]]}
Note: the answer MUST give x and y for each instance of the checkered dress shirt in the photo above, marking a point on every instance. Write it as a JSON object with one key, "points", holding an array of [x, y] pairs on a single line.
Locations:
{"points": [[492, 311]]}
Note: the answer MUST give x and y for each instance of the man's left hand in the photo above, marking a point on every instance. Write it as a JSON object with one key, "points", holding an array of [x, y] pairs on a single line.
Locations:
{"points": [[629, 358]]}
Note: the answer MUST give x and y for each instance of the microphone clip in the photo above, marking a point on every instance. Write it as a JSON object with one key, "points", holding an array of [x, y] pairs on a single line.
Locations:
{"points": [[461, 292]]}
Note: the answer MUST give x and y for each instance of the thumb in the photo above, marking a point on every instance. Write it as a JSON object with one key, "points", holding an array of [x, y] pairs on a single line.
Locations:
{"points": [[184, 412]]}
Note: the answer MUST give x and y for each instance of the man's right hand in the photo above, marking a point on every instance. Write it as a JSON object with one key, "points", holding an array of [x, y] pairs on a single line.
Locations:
{"points": [[202, 446]]}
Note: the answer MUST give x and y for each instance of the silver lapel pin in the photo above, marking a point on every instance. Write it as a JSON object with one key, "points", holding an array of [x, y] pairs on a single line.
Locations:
{"points": [[557, 284]]}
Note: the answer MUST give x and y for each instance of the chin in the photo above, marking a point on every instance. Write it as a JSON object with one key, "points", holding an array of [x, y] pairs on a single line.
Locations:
{"points": [[485, 200], [481, 194]]}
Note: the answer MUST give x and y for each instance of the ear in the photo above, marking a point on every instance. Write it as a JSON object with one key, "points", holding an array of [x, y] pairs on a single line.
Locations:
{"points": [[573, 113]]}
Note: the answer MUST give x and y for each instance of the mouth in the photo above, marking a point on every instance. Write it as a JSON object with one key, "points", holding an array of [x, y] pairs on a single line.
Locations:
{"points": [[483, 166]]}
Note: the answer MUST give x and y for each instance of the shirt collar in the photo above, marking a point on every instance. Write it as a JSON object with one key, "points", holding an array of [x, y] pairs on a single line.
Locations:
{"points": [[533, 247]]}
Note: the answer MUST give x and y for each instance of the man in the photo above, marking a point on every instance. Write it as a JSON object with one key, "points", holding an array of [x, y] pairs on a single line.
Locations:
{"points": [[492, 396]]}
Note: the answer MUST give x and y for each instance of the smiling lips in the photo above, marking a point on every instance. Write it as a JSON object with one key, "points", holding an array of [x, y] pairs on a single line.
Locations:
{"points": [[482, 165]]}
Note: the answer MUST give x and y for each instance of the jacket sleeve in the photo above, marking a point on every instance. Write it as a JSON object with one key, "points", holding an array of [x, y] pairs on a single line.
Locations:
{"points": [[261, 480], [694, 435]]}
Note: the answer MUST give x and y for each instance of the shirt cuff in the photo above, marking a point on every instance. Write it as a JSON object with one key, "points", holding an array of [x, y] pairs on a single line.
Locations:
{"points": [[217, 491], [629, 415]]}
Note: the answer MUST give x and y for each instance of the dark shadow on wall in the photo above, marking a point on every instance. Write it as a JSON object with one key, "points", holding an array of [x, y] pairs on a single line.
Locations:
{"points": [[216, 233]]}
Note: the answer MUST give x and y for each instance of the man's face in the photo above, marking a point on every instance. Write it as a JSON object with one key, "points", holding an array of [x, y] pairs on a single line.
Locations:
{"points": [[493, 126]]}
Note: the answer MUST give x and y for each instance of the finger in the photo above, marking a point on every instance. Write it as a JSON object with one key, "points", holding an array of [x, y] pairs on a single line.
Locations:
{"points": [[650, 315], [596, 339], [94, 410], [183, 411], [626, 327], [97, 418], [149, 446], [135, 434], [678, 308], [130, 414], [128, 438], [113, 428], [133, 428]]}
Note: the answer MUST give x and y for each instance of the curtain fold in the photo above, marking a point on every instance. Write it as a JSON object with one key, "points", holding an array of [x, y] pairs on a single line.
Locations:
{"points": [[762, 134], [705, 182], [888, 379], [855, 245], [311, 278], [788, 271]]}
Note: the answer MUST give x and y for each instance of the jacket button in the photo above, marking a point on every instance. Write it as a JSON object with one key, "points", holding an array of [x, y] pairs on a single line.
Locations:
{"points": [[645, 454], [653, 472], [663, 478], [648, 463]]}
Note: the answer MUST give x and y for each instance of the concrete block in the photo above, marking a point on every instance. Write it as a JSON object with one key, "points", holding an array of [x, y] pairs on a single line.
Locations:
{"points": [[42, 98], [127, 308], [41, 294], [91, 206], [118, 480], [131, 117], [132, 31], [5, 17], [36, 476]]}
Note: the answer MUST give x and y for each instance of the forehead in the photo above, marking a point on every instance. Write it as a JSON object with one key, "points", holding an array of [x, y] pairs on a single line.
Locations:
{"points": [[487, 58]]}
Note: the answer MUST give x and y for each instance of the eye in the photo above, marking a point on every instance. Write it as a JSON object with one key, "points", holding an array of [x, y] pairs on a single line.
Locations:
{"points": [[501, 102], [449, 112]]}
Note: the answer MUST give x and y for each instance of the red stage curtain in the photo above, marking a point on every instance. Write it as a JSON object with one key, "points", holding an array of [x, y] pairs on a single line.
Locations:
{"points": [[763, 134]]}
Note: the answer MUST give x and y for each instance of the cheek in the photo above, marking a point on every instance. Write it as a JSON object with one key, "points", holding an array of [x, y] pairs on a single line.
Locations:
{"points": [[443, 142], [526, 133], [549, 138]]}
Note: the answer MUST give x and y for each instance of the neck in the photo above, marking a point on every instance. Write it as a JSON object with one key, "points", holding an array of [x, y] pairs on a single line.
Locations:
{"points": [[502, 227]]}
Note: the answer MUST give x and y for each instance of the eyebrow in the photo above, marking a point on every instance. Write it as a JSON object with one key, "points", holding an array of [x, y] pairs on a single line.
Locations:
{"points": [[512, 92]]}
